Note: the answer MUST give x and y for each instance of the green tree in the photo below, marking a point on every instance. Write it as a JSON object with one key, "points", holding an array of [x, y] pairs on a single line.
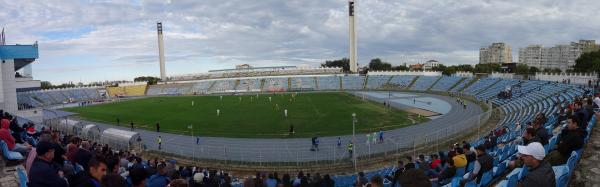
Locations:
{"points": [[464, 67], [377, 64], [487, 68], [450, 70], [533, 70], [522, 69], [344, 63], [400, 68], [149, 80], [45, 85], [588, 62]]}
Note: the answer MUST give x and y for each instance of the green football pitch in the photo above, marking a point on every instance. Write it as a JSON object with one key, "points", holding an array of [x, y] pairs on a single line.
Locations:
{"points": [[251, 116]]}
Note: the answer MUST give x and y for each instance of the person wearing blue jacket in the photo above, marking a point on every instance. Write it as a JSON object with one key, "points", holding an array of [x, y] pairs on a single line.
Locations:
{"points": [[159, 179]]}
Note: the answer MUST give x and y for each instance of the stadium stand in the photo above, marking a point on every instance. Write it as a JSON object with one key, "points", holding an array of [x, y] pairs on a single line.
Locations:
{"points": [[375, 82], [275, 84], [32, 99], [445, 83], [423, 83], [328, 83], [353, 82], [129, 90], [402, 81], [462, 84], [480, 85], [303, 84]]}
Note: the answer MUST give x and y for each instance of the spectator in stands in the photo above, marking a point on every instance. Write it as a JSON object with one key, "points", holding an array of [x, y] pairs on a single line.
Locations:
{"points": [[42, 173], [10, 140], [159, 179], [422, 162], [540, 172], [410, 164], [447, 174], [138, 177], [435, 162], [113, 180], [470, 155], [460, 160], [361, 180], [541, 132], [588, 106], [271, 182], [400, 169], [414, 177], [483, 164], [570, 139], [581, 114], [178, 183], [530, 136], [84, 154], [17, 130], [376, 181], [286, 180], [96, 169]]}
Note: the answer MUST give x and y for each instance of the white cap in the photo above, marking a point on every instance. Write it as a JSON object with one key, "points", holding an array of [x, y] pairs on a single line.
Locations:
{"points": [[534, 149]]}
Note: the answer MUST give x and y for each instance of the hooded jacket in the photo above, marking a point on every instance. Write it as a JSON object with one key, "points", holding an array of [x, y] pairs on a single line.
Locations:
{"points": [[5, 134]]}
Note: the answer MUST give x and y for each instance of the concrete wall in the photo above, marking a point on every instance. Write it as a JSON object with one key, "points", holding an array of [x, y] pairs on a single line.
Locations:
{"points": [[8, 89], [574, 78]]}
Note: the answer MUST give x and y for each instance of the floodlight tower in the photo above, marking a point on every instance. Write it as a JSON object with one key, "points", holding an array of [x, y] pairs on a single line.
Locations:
{"points": [[352, 40], [161, 51]]}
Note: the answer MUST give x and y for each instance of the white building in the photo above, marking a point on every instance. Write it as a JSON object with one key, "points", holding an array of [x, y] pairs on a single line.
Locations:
{"points": [[430, 64], [497, 53], [560, 56], [16, 58]]}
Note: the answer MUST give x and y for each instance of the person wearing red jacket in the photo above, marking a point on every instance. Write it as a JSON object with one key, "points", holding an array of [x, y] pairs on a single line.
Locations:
{"points": [[10, 140]]}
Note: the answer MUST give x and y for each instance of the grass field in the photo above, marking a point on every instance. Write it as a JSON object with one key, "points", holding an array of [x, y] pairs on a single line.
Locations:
{"points": [[249, 116]]}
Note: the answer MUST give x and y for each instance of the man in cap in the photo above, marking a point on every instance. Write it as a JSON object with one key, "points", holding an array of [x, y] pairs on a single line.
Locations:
{"points": [[540, 172]]}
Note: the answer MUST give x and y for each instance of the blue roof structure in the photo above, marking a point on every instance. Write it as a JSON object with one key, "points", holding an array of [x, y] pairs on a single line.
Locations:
{"points": [[19, 52]]}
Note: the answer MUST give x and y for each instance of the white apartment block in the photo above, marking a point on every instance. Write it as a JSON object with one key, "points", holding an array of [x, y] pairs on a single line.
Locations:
{"points": [[560, 56], [497, 53]]}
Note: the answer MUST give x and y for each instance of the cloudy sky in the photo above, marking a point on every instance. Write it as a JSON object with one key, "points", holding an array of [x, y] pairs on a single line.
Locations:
{"points": [[92, 40]]}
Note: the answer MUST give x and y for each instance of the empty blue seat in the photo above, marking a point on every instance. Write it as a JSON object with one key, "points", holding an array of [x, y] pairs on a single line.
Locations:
{"points": [[22, 177], [460, 172], [471, 184], [10, 155], [486, 178], [499, 169]]}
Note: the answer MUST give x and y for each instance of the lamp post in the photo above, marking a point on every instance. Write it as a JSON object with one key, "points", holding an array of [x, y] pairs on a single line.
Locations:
{"points": [[354, 121]]}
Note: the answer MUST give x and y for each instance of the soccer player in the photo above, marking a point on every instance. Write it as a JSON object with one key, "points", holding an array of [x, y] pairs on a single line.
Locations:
{"points": [[269, 99], [132, 126], [158, 126], [218, 112], [197, 140], [192, 103], [350, 146], [159, 141], [339, 142], [292, 129], [285, 112]]}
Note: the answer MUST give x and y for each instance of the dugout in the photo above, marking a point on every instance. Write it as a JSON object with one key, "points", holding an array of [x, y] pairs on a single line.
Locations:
{"points": [[119, 139], [91, 132], [69, 127]]}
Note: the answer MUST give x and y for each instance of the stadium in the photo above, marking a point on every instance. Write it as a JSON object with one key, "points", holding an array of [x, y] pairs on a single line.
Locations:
{"points": [[249, 125]]}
